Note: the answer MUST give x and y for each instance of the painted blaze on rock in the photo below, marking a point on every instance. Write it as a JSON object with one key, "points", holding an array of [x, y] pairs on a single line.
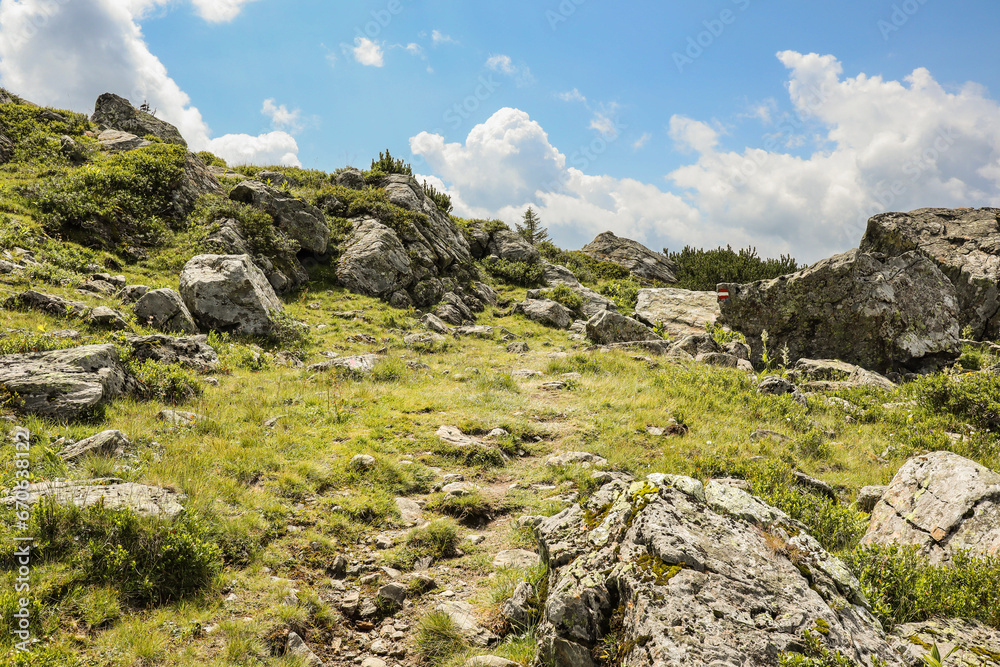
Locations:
{"points": [[897, 313]]}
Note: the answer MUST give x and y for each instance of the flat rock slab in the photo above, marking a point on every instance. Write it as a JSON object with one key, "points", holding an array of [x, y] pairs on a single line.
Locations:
{"points": [[113, 493], [193, 352], [65, 384], [705, 574], [974, 643], [832, 375], [464, 616], [680, 312], [584, 459], [940, 502], [515, 558], [362, 363], [46, 303], [104, 443]]}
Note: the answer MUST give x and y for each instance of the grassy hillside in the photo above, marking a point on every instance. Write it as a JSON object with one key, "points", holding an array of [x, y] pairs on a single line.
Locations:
{"points": [[272, 494]]}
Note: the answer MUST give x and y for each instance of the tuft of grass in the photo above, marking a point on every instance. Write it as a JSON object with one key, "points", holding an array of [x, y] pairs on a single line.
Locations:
{"points": [[438, 638]]}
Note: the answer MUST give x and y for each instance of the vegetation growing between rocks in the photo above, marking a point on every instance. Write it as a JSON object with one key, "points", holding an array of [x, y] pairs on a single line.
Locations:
{"points": [[699, 269]]}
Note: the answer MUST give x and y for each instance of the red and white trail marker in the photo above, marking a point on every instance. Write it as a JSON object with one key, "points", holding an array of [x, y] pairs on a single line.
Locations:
{"points": [[723, 293]]}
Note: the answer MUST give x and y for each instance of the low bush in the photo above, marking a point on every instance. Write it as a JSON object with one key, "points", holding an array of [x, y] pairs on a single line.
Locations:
{"points": [[562, 294], [520, 274], [440, 199], [974, 397], [123, 200], [439, 638], [256, 225], [699, 269], [904, 587], [625, 293]]}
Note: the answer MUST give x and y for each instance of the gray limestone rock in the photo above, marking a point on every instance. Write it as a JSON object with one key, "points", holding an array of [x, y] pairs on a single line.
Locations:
{"points": [[229, 293], [300, 221], [192, 352], [165, 310], [900, 313], [113, 493], [545, 311], [117, 113], [632, 255], [940, 502], [680, 312], [832, 375], [116, 141], [104, 443], [609, 326], [373, 261]]}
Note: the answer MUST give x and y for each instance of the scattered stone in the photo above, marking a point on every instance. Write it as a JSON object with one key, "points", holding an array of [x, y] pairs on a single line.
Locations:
{"points": [[868, 498], [105, 317], [229, 293], [583, 459], [192, 352], [475, 539], [778, 386], [391, 596], [966, 642], [362, 363], [760, 434], [352, 178], [362, 461], [525, 374], [179, 417], [65, 384], [298, 648], [632, 255], [518, 347], [111, 443], [517, 610], [384, 541], [515, 558], [814, 484], [410, 512], [546, 312], [554, 385], [164, 309], [511, 246], [132, 293], [609, 326], [46, 303], [435, 323], [891, 314], [490, 661], [113, 493], [424, 339], [477, 331], [941, 503], [464, 617]]}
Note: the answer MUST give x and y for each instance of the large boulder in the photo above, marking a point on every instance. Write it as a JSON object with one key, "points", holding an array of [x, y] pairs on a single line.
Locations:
{"points": [[680, 312], [116, 141], [373, 261], [512, 247], [65, 384], [299, 220], [694, 574], [637, 258], [545, 311], [165, 310], [281, 266], [229, 293], [609, 326], [965, 245], [46, 303], [193, 351], [196, 181], [900, 313], [833, 375], [941, 503], [116, 113]]}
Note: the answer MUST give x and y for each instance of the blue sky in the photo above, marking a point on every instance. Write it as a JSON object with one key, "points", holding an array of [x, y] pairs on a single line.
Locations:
{"points": [[778, 124]]}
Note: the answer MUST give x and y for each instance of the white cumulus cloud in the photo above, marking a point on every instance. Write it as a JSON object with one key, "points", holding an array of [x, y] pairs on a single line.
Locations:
{"points": [[281, 117], [504, 64], [368, 52], [271, 148], [65, 54], [219, 11], [862, 145]]}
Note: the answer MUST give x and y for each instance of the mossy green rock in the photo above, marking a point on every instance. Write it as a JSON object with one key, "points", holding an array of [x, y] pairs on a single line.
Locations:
{"points": [[899, 313]]}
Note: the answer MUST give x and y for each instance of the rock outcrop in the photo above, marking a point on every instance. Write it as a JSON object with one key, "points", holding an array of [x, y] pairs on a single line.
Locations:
{"points": [[593, 302], [116, 141], [229, 293], [65, 384], [965, 245], [300, 221], [680, 312], [281, 265], [610, 326], [940, 502], [112, 493], [545, 311], [415, 261], [896, 314], [192, 352], [116, 113], [833, 375], [693, 574], [637, 258], [165, 310]]}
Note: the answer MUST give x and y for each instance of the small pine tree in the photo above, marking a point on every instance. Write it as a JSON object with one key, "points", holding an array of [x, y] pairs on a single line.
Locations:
{"points": [[530, 228]]}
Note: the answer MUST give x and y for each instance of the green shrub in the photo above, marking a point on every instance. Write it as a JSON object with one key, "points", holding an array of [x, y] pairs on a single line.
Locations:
{"points": [[437, 540], [699, 269], [148, 560], [169, 383], [386, 164], [36, 138], [521, 274], [211, 159], [625, 293], [904, 587], [123, 200], [22, 342], [562, 294], [974, 398], [611, 271], [257, 226], [583, 266], [441, 199]]}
